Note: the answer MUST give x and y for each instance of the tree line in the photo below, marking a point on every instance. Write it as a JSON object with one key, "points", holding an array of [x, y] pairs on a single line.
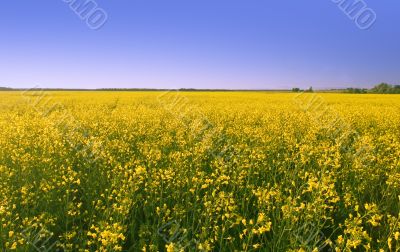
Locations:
{"points": [[382, 88]]}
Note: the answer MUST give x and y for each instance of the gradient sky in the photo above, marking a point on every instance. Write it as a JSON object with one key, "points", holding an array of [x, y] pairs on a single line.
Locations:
{"points": [[254, 44]]}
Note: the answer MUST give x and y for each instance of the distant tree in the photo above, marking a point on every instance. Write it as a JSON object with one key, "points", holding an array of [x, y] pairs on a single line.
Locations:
{"points": [[296, 90], [356, 90], [310, 90], [396, 89], [382, 88]]}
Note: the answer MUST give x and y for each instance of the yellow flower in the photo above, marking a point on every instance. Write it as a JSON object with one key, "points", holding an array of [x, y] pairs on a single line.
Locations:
{"points": [[170, 247], [397, 235], [340, 239], [260, 218], [13, 246], [389, 242]]}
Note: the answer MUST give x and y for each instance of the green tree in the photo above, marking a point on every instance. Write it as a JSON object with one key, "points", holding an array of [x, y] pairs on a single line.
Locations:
{"points": [[382, 88]]}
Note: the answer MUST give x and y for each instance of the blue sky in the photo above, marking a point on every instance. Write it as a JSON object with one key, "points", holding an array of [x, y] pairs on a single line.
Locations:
{"points": [[256, 44]]}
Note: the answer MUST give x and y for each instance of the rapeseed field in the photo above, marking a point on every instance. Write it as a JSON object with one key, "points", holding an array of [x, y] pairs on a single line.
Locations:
{"points": [[199, 171]]}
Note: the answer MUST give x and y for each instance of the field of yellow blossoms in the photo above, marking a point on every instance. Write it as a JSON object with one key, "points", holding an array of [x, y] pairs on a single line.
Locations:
{"points": [[199, 171]]}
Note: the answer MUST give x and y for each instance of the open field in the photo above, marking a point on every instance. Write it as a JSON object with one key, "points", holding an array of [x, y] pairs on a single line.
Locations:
{"points": [[199, 171]]}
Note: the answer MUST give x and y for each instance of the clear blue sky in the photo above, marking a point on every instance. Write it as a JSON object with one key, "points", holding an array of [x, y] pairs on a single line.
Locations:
{"points": [[255, 44]]}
